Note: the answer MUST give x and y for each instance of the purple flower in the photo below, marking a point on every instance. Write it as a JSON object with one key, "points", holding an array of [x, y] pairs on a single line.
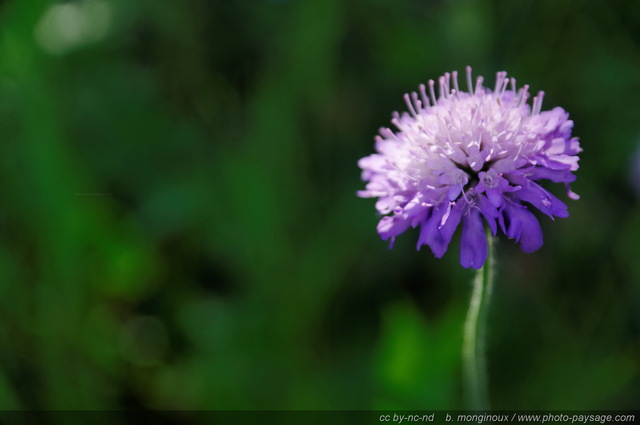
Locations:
{"points": [[468, 158]]}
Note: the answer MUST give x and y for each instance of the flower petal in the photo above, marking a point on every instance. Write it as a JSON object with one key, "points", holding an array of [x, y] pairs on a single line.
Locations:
{"points": [[450, 221], [489, 212], [392, 226], [466, 157], [473, 245], [429, 234], [495, 196], [436, 233], [557, 176], [523, 227], [543, 200]]}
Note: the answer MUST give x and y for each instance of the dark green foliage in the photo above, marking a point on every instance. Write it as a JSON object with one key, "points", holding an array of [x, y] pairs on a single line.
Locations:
{"points": [[179, 227]]}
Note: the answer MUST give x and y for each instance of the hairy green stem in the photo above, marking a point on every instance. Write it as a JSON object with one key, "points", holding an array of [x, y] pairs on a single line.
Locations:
{"points": [[473, 358]]}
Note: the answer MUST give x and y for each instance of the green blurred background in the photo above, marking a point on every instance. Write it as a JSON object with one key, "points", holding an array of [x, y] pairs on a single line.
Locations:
{"points": [[179, 227]]}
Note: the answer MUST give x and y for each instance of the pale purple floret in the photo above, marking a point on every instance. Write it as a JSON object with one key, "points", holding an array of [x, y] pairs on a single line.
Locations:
{"points": [[470, 158]]}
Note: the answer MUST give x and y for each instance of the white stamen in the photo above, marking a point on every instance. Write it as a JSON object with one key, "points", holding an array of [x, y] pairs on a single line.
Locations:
{"points": [[537, 103], [523, 95], [469, 85], [386, 132], [416, 102], [479, 83], [464, 195], [423, 94], [454, 75], [447, 82], [504, 86], [501, 83], [432, 92], [407, 100], [442, 90], [499, 79]]}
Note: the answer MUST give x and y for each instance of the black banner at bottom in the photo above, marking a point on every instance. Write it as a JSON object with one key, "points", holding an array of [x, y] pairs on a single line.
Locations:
{"points": [[316, 417]]}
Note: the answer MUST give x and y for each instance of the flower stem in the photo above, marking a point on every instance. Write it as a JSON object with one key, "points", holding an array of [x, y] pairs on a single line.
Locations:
{"points": [[473, 358]]}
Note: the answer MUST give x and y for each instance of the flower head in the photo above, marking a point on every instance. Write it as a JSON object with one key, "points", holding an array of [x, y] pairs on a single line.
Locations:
{"points": [[465, 158]]}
